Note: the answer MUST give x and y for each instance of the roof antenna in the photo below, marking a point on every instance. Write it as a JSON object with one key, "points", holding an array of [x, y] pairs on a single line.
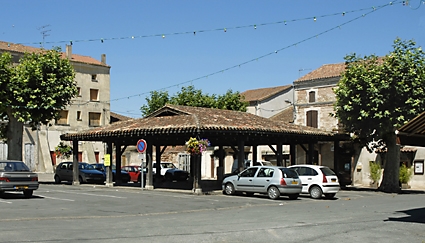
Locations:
{"points": [[43, 33]]}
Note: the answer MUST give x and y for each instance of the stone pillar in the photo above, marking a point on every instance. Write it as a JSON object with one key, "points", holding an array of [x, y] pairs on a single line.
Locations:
{"points": [[195, 160]]}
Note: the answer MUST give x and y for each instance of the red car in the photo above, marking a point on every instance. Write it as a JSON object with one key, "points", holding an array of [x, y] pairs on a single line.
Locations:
{"points": [[133, 171]]}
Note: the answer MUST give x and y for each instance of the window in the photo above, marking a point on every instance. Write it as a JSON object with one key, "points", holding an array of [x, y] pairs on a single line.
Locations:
{"points": [[419, 167], [311, 96], [94, 94], [249, 172], [312, 119], [63, 118], [79, 116], [94, 119], [265, 172], [94, 77], [78, 91]]}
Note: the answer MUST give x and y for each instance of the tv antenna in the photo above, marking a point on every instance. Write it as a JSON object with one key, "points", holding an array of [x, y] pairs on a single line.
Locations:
{"points": [[43, 32]]}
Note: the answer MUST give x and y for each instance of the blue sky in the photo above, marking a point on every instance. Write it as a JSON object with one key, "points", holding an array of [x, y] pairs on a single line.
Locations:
{"points": [[257, 50]]}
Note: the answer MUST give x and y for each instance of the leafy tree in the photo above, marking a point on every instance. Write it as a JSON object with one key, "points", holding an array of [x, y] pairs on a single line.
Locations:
{"points": [[376, 96], [231, 101], [33, 92], [190, 96], [157, 100]]}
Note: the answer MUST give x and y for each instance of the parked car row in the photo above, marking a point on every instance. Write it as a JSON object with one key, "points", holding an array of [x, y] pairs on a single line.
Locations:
{"points": [[276, 181], [96, 173]]}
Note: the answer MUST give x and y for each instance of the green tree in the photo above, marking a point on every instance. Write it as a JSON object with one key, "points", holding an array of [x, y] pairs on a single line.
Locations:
{"points": [[376, 96], [189, 96], [157, 100], [33, 92]]}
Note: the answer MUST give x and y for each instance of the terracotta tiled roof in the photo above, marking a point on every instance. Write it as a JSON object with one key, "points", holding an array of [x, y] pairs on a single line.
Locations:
{"points": [[174, 120], [264, 93], [117, 117], [285, 116], [11, 47], [325, 71]]}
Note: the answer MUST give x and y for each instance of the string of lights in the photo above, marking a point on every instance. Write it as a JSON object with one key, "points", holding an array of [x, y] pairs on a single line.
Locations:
{"points": [[371, 10], [222, 29], [374, 9]]}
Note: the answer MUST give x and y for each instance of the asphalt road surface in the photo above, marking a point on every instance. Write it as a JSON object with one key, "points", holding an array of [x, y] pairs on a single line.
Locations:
{"points": [[87, 213]]}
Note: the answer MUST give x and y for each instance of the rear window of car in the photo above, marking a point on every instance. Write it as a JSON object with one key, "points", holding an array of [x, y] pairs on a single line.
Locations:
{"points": [[327, 172], [289, 173]]}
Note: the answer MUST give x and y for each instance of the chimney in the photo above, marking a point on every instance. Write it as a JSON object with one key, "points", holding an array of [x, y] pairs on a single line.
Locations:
{"points": [[103, 59], [69, 52]]}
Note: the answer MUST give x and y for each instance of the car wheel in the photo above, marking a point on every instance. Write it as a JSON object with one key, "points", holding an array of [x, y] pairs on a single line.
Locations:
{"points": [[330, 195], [273, 192], [57, 179], [229, 189], [315, 192], [28, 193], [293, 196]]}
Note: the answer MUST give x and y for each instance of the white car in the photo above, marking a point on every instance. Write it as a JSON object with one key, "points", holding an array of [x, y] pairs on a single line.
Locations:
{"points": [[317, 180]]}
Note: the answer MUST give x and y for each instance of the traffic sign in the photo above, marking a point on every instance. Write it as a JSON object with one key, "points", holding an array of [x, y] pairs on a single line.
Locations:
{"points": [[141, 146]]}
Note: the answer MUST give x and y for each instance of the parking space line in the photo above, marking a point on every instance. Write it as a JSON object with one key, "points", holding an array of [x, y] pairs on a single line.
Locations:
{"points": [[91, 194], [55, 198]]}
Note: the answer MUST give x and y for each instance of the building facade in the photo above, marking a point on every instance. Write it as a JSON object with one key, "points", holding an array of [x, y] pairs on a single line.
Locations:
{"points": [[91, 108]]}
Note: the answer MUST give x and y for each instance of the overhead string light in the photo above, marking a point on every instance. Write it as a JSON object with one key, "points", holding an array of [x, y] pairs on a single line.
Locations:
{"points": [[260, 57], [285, 22]]}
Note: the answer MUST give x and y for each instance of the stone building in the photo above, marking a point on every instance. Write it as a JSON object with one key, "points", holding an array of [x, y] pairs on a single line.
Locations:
{"points": [[91, 108]]}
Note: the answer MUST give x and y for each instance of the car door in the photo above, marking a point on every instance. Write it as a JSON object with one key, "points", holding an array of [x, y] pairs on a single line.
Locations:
{"points": [[305, 176], [67, 172], [245, 180], [308, 177], [262, 179]]}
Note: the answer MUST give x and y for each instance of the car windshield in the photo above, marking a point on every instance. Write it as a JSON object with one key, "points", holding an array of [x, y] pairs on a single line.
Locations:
{"points": [[13, 166], [85, 166], [327, 172]]}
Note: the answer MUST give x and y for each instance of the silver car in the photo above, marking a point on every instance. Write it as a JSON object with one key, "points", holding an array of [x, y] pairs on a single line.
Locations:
{"points": [[16, 176], [271, 180]]}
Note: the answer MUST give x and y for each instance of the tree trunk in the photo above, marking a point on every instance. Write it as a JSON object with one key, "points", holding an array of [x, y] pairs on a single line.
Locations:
{"points": [[390, 180], [15, 130]]}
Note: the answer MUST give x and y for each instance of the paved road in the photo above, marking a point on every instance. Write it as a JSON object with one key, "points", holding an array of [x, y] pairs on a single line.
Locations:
{"points": [[87, 213]]}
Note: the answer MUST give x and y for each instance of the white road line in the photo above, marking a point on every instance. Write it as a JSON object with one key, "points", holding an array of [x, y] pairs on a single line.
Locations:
{"points": [[91, 194], [1, 201], [55, 198]]}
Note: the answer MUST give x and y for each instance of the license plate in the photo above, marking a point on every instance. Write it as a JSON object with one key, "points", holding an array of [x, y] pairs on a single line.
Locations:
{"points": [[295, 182], [333, 180], [21, 187]]}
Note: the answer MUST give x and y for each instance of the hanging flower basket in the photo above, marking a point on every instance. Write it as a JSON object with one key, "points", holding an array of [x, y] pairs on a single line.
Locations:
{"points": [[195, 146], [63, 151]]}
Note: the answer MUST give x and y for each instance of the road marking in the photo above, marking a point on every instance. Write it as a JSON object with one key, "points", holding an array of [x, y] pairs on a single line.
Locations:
{"points": [[55, 198], [90, 194], [1, 201]]}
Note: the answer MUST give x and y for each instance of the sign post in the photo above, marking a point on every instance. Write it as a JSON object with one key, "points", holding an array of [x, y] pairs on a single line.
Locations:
{"points": [[141, 147]]}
